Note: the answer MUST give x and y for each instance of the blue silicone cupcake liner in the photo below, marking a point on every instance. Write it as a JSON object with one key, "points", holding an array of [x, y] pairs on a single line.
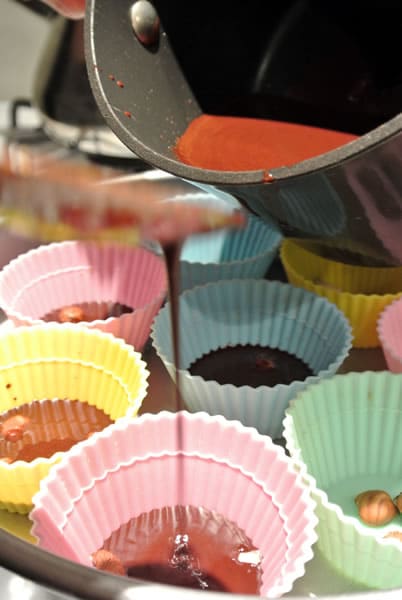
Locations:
{"points": [[345, 435], [217, 193], [256, 312], [227, 254]]}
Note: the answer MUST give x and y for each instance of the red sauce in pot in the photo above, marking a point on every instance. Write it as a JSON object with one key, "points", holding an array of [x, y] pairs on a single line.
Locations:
{"points": [[241, 144]]}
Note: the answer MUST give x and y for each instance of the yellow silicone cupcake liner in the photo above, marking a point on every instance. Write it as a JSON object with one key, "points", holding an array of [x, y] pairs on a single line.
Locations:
{"points": [[63, 361], [27, 225], [361, 292]]}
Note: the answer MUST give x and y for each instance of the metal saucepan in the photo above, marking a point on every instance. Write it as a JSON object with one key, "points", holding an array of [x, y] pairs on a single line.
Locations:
{"points": [[303, 61]]}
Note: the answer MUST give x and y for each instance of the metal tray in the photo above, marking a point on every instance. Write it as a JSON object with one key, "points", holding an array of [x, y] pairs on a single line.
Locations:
{"points": [[320, 579]]}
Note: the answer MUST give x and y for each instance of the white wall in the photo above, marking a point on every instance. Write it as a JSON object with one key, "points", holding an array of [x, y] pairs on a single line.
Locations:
{"points": [[22, 38]]}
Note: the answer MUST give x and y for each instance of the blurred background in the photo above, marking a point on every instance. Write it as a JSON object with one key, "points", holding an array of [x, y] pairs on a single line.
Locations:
{"points": [[22, 38]]}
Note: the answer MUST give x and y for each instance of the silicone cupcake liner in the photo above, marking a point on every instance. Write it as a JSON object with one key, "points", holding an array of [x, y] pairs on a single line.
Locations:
{"points": [[256, 312], [222, 466], [346, 437], [227, 254], [69, 273], [63, 361], [360, 292], [389, 329]]}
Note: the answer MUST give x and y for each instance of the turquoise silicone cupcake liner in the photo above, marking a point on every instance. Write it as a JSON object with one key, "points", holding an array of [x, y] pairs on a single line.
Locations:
{"points": [[256, 312], [227, 254], [345, 434]]}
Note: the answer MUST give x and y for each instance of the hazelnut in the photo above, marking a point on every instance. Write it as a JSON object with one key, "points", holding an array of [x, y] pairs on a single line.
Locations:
{"points": [[398, 501], [107, 561], [264, 364], [375, 507], [71, 314], [397, 535], [13, 428]]}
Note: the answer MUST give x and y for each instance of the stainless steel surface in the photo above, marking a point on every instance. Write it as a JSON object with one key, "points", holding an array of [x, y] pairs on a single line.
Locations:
{"points": [[15, 587]]}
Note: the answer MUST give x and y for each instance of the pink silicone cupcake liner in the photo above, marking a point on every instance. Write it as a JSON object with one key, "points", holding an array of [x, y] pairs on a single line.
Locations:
{"points": [[223, 467], [50, 277], [389, 328]]}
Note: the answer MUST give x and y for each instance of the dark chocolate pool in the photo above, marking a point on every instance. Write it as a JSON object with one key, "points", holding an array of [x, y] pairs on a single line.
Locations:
{"points": [[250, 365]]}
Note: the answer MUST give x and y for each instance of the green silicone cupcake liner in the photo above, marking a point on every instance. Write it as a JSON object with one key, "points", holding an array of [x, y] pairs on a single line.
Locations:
{"points": [[346, 435]]}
